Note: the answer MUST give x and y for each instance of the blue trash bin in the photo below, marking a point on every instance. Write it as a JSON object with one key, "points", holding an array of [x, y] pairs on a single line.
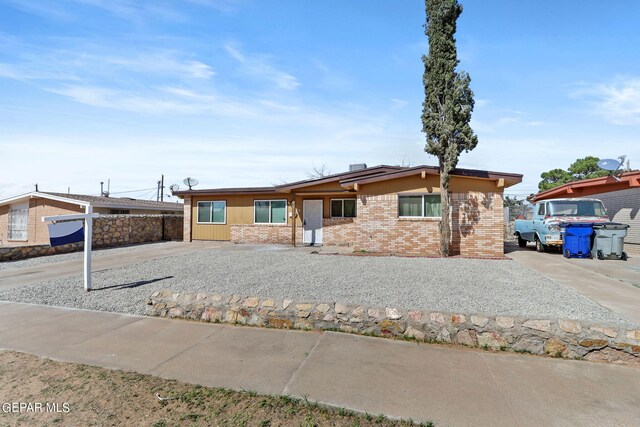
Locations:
{"points": [[576, 239]]}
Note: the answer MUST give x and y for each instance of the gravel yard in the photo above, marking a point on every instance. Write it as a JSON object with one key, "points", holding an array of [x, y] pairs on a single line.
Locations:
{"points": [[450, 285], [44, 260]]}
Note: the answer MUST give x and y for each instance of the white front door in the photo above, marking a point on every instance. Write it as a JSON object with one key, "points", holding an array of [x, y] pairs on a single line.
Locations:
{"points": [[312, 222]]}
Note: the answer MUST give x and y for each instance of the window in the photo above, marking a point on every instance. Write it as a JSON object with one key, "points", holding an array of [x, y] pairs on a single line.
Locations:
{"points": [[343, 208], [212, 212], [419, 206], [577, 208], [270, 211], [18, 221], [119, 211], [541, 209]]}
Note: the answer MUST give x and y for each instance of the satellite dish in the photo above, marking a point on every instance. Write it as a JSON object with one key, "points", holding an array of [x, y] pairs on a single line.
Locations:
{"points": [[609, 164], [612, 165], [190, 182], [174, 187]]}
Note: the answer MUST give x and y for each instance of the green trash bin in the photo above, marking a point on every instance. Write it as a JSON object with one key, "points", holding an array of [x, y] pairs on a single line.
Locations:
{"points": [[608, 240]]}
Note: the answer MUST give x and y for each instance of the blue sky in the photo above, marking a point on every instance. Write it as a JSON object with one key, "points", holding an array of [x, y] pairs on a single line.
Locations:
{"points": [[256, 92]]}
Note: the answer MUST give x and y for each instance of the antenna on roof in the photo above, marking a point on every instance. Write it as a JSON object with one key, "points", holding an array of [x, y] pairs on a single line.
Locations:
{"points": [[102, 192], [612, 165], [190, 182], [174, 188], [36, 184]]}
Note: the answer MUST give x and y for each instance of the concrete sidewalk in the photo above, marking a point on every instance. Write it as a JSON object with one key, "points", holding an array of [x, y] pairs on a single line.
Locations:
{"points": [[448, 385]]}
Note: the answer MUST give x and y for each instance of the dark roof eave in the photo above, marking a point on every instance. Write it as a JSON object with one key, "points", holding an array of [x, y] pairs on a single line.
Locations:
{"points": [[214, 191], [375, 170], [467, 173]]}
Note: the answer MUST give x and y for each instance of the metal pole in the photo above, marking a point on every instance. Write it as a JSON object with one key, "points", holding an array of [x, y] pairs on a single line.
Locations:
{"points": [[162, 189], [88, 238]]}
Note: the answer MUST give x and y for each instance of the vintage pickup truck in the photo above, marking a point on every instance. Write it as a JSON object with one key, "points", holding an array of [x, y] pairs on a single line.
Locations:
{"points": [[542, 223]]}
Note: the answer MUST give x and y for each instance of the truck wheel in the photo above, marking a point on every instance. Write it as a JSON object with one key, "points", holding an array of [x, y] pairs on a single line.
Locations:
{"points": [[567, 254], [539, 246], [600, 255], [624, 256], [521, 242]]}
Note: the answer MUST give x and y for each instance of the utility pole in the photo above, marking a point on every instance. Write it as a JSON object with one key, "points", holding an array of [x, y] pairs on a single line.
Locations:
{"points": [[162, 189]]}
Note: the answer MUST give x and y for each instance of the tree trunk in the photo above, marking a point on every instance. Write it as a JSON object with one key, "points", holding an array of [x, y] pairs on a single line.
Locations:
{"points": [[445, 226]]}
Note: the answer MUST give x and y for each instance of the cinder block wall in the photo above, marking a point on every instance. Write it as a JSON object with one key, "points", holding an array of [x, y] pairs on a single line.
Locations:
{"points": [[623, 206]]}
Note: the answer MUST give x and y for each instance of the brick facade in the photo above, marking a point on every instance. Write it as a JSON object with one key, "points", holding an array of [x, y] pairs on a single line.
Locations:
{"points": [[477, 228], [337, 231], [37, 231], [261, 233], [478, 224], [187, 219]]}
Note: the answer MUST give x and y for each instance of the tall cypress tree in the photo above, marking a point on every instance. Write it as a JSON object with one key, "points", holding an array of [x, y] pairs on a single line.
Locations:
{"points": [[448, 102]]}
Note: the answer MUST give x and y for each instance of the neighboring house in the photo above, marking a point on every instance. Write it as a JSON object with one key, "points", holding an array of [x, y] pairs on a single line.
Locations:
{"points": [[621, 197], [383, 209], [21, 216]]}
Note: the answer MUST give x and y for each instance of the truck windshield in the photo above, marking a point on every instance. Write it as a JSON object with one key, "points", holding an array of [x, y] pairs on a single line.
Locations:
{"points": [[576, 208]]}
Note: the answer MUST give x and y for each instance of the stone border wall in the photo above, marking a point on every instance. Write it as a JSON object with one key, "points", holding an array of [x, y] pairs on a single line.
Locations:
{"points": [[558, 338], [14, 253], [109, 231]]}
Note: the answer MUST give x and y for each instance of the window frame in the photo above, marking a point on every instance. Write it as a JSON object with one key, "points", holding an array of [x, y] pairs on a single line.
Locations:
{"points": [[212, 222], [355, 210], [542, 209], [286, 213], [10, 223], [422, 210]]}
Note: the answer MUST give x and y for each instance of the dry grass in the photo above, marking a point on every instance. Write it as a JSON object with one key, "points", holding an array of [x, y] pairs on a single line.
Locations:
{"points": [[102, 397]]}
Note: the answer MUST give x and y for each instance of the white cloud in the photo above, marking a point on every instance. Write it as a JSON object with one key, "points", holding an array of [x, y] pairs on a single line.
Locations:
{"points": [[259, 66], [618, 102], [397, 104], [74, 65]]}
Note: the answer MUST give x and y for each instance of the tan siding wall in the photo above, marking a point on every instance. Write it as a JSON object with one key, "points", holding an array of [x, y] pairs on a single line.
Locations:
{"points": [[239, 212], [430, 184]]}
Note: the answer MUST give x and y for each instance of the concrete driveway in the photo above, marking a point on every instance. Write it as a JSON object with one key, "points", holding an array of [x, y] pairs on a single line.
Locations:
{"points": [[611, 283]]}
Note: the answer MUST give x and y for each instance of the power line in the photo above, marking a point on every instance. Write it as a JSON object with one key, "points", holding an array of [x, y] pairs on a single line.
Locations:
{"points": [[133, 191]]}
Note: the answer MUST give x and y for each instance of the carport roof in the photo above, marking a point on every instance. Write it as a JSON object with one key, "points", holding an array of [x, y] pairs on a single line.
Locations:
{"points": [[588, 187]]}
